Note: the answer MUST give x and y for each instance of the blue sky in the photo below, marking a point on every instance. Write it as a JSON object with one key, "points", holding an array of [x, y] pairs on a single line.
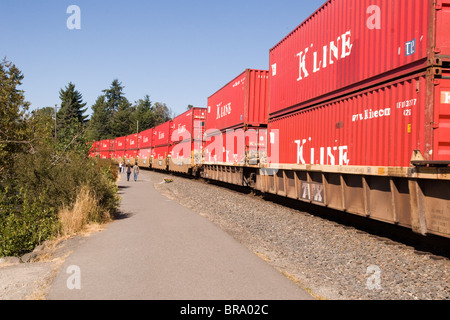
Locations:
{"points": [[177, 52]]}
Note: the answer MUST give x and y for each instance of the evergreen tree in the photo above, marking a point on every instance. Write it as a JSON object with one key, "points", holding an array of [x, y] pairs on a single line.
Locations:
{"points": [[71, 107], [161, 112], [121, 121], [99, 124], [14, 133], [142, 117], [114, 96]]}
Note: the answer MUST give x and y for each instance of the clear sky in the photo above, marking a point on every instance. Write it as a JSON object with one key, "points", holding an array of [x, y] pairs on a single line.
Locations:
{"points": [[178, 52]]}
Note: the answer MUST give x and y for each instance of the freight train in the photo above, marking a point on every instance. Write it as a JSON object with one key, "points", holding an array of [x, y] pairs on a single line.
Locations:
{"points": [[353, 114]]}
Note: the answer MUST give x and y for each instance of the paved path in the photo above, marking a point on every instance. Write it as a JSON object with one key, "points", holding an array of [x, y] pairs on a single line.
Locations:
{"points": [[164, 251]]}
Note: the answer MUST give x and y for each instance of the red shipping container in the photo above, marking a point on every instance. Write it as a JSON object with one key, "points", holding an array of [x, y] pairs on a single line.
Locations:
{"points": [[145, 139], [160, 152], [105, 145], [242, 102], [232, 146], [132, 142], [145, 154], [381, 126], [130, 154], [347, 45], [188, 125], [187, 152], [105, 155], [120, 143], [119, 154], [161, 134]]}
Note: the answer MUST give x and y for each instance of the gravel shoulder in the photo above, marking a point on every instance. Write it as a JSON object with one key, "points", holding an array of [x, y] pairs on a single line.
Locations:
{"points": [[329, 260]]}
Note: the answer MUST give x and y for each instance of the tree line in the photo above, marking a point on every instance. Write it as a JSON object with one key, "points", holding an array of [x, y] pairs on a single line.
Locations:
{"points": [[112, 113]]}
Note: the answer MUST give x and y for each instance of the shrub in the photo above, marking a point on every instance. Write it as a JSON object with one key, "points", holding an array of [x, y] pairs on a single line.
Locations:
{"points": [[85, 211], [49, 184], [24, 223]]}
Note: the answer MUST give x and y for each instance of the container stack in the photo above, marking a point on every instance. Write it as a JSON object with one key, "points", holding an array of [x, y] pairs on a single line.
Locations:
{"points": [[131, 148], [367, 92], [186, 141], [145, 148], [106, 148], [236, 118], [161, 143]]}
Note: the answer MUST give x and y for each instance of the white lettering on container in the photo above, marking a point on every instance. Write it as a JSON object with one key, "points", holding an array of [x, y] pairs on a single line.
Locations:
{"points": [[334, 51], [339, 152]]}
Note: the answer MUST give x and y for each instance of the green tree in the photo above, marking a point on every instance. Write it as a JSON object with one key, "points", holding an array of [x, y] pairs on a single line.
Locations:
{"points": [[14, 132], [161, 112], [142, 117], [99, 124], [114, 96], [121, 121], [72, 107]]}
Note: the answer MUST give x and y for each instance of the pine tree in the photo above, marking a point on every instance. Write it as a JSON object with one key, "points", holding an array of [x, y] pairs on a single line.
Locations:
{"points": [[114, 95], [99, 124], [71, 107], [142, 117], [121, 121], [14, 132]]}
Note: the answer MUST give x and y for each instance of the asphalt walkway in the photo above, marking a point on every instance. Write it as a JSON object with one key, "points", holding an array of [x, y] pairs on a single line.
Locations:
{"points": [[161, 250]]}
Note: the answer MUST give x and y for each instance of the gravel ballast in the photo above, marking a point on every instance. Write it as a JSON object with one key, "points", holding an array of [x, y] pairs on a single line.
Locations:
{"points": [[328, 259]]}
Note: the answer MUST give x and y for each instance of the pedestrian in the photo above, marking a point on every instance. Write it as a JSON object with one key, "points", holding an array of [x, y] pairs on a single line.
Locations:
{"points": [[120, 168], [128, 172], [135, 171]]}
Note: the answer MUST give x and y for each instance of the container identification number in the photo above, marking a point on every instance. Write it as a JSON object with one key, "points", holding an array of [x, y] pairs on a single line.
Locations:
{"points": [[406, 105]]}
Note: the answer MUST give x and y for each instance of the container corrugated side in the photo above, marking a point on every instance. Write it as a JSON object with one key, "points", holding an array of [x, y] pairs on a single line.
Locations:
{"points": [[161, 134], [188, 125], [187, 152], [132, 142], [239, 146], [241, 102], [377, 127], [348, 45], [120, 143], [105, 145], [145, 139]]}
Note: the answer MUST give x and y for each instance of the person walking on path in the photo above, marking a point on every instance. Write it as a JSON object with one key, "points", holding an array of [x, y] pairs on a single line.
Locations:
{"points": [[135, 171], [128, 172]]}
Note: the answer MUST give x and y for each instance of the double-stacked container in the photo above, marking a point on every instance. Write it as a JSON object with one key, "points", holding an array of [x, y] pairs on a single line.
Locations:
{"points": [[186, 142], [145, 148], [236, 118], [131, 148], [120, 148], [160, 145], [106, 148], [359, 111]]}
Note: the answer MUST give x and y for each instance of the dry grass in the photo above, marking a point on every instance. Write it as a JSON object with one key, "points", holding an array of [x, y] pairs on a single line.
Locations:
{"points": [[86, 213]]}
